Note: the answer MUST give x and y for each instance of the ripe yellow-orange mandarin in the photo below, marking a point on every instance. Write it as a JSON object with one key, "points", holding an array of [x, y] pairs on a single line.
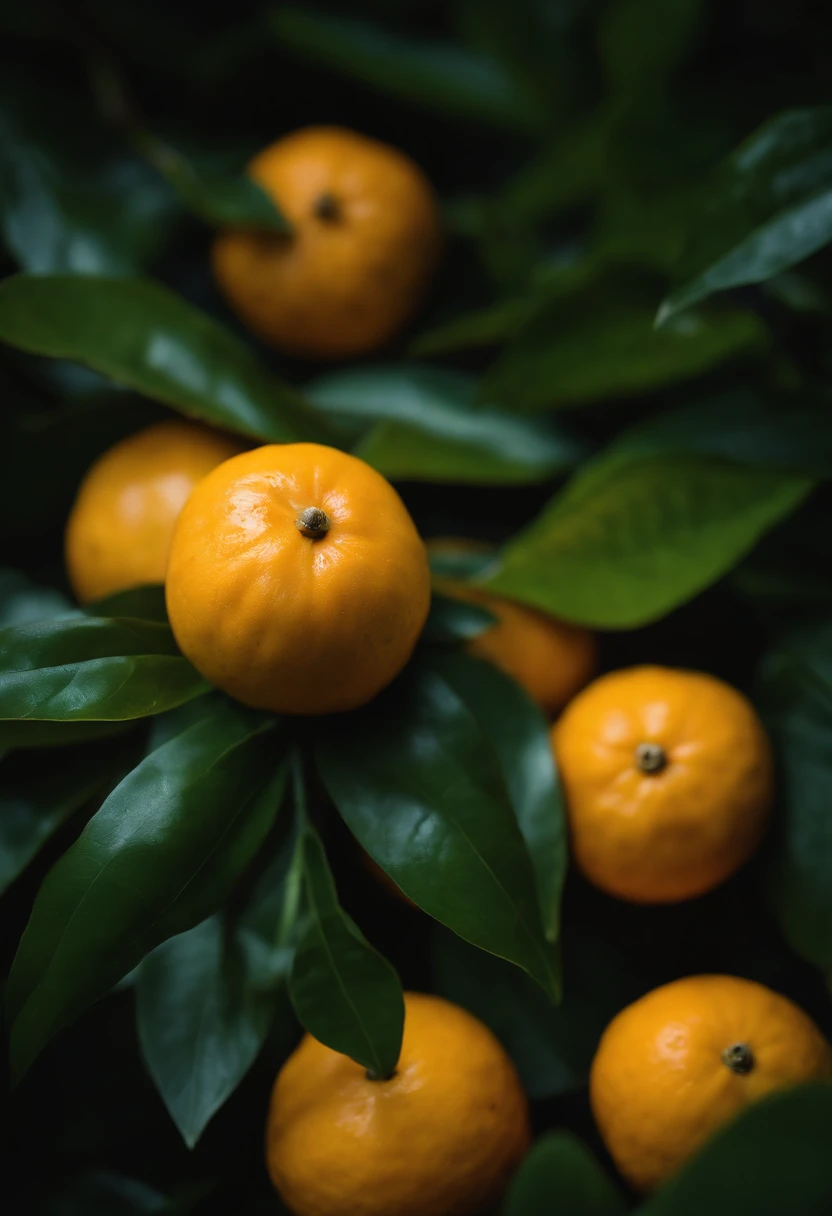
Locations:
{"points": [[297, 581], [440, 1137], [551, 659], [677, 1064], [668, 779], [119, 530], [364, 242]]}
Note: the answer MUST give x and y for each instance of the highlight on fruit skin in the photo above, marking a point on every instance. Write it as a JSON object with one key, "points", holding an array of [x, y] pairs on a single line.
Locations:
{"points": [[365, 240], [668, 779], [441, 1136], [680, 1062], [120, 528], [297, 581]]}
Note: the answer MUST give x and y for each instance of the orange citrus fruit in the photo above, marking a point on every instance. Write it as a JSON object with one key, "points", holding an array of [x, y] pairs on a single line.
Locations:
{"points": [[441, 1136], [297, 581], [119, 530], [549, 658], [668, 780], [677, 1064], [364, 241]]}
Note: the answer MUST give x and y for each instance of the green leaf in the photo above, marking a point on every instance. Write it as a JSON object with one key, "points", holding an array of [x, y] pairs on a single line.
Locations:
{"points": [[590, 354], [71, 200], [796, 701], [519, 735], [482, 327], [440, 75], [161, 854], [427, 427], [23, 601], [344, 992], [31, 733], [206, 999], [108, 1194], [641, 42], [36, 798], [418, 785], [743, 426], [143, 603], [141, 335], [93, 668], [625, 543], [771, 1160], [452, 620], [560, 1174], [766, 208]]}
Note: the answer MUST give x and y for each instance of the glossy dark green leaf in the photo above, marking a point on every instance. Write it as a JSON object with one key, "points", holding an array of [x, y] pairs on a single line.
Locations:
{"points": [[796, 700], [143, 336], [625, 543], [93, 668], [519, 735], [773, 1159], [441, 75], [451, 620], [766, 208], [206, 999], [23, 601], [560, 1174], [344, 992], [143, 603], [160, 855], [72, 200], [425, 425], [418, 785], [36, 797], [575, 358]]}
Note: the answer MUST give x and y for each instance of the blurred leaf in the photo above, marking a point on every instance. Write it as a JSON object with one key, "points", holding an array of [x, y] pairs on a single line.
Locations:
{"points": [[789, 569], [743, 426], [429, 428], [93, 667], [561, 1174], [641, 43], [454, 558], [108, 1194], [55, 734], [452, 620], [221, 201], [36, 798], [796, 700], [440, 75], [766, 208], [144, 603], [564, 358], [206, 1000], [71, 201], [772, 1159], [343, 991], [23, 601], [519, 735], [142, 335], [624, 543], [483, 327], [418, 785], [161, 854]]}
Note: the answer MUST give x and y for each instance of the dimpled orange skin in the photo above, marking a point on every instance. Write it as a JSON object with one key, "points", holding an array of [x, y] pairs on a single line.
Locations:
{"points": [[119, 531], [549, 658], [663, 836], [441, 1137], [344, 281], [659, 1086], [282, 621]]}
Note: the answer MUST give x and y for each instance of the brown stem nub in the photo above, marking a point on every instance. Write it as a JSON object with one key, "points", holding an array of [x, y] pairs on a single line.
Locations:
{"points": [[651, 757], [313, 522], [325, 207], [372, 1075], [739, 1058]]}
